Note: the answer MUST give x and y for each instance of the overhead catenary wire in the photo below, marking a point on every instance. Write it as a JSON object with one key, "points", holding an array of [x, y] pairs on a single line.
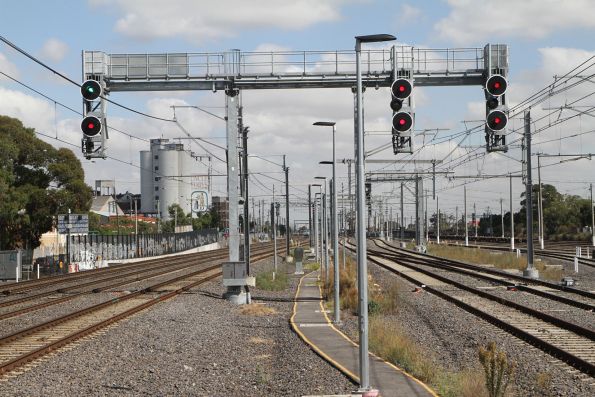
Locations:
{"points": [[63, 76]]}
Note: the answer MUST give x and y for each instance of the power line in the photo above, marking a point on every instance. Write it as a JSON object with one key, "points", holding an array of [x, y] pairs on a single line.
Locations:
{"points": [[34, 59], [66, 106]]}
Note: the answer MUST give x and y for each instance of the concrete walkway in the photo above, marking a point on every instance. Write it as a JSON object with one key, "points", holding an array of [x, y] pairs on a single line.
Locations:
{"points": [[312, 324]]}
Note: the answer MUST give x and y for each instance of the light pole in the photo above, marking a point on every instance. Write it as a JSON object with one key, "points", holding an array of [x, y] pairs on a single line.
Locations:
{"points": [[324, 230], [335, 223], [315, 225], [362, 280]]}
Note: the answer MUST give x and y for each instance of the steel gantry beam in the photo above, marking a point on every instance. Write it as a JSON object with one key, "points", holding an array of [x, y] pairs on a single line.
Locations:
{"points": [[282, 69]]}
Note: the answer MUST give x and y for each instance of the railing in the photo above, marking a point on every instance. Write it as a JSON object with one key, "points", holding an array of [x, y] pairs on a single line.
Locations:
{"points": [[239, 64]]}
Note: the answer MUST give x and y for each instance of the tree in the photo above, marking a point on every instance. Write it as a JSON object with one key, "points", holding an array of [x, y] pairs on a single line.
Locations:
{"points": [[206, 220], [39, 179]]}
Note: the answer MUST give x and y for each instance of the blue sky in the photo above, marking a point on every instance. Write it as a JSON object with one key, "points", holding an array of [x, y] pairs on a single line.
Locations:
{"points": [[544, 38]]}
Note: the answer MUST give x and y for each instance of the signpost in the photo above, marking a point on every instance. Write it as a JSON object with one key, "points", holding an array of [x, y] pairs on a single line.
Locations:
{"points": [[72, 223], [200, 201]]}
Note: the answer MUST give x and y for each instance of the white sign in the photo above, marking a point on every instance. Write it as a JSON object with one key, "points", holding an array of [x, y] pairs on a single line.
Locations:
{"points": [[77, 223], [200, 201]]}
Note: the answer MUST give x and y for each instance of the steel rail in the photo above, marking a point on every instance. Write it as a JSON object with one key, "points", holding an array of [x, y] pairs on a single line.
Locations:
{"points": [[556, 351], [43, 350]]}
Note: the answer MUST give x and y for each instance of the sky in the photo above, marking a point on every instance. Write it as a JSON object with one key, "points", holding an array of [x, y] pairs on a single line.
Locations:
{"points": [[545, 40]]}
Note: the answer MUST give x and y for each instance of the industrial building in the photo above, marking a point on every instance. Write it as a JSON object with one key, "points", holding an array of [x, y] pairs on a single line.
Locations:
{"points": [[168, 176]]}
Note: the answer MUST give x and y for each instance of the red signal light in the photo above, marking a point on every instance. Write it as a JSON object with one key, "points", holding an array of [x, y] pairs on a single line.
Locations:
{"points": [[401, 88], [496, 85], [91, 126], [402, 122], [497, 120]]}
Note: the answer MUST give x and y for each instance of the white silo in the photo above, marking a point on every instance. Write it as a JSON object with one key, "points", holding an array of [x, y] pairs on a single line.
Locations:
{"points": [[188, 168], [146, 182], [168, 167]]}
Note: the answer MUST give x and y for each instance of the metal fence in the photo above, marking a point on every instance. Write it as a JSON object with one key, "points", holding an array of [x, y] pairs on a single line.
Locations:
{"points": [[84, 248]]}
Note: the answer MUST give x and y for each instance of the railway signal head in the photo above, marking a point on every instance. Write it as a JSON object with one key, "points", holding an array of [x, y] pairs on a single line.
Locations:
{"points": [[402, 122], [496, 85], [91, 125], [400, 90], [91, 90], [497, 120]]}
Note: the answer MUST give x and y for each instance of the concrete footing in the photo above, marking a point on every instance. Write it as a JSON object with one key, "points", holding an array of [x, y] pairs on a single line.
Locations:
{"points": [[531, 273], [237, 295]]}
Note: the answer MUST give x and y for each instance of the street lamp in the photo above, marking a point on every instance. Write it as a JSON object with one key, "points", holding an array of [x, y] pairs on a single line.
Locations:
{"points": [[313, 222], [362, 271], [324, 230], [334, 220], [335, 241]]}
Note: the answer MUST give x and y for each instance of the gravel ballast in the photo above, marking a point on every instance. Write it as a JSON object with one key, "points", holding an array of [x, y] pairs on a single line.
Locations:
{"points": [[194, 345], [452, 336]]}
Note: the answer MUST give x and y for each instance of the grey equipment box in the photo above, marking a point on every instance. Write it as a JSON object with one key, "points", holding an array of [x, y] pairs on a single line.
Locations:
{"points": [[10, 265], [235, 275], [298, 253]]}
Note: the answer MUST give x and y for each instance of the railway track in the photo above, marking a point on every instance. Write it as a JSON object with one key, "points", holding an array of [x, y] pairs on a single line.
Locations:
{"points": [[99, 283], [28, 345], [566, 254], [565, 340]]}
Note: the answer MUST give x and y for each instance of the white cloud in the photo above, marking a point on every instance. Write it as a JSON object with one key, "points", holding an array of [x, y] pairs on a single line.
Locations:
{"points": [[198, 21], [33, 112], [408, 14], [7, 67], [54, 50], [473, 21]]}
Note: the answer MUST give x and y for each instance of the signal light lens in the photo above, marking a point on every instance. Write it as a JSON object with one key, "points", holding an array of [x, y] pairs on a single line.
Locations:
{"points": [[401, 88], [492, 103], [497, 120], [91, 90], [396, 104], [496, 85], [91, 126], [402, 122]]}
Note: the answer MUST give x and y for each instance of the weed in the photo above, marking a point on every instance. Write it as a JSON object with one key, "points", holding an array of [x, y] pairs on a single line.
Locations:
{"points": [[264, 280], [262, 375], [498, 370], [257, 310], [373, 307], [500, 260], [543, 381]]}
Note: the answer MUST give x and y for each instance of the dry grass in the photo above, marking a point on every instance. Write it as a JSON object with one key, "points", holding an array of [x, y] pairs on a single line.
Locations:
{"points": [[259, 341], [388, 341], [257, 310], [500, 260]]}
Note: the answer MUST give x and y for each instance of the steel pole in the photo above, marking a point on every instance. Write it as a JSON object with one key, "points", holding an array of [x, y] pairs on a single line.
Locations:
{"points": [[286, 169], [511, 218], [540, 206], [344, 227], [402, 234], [502, 217], [530, 271], [592, 218], [310, 214], [362, 280], [457, 220], [437, 221], [465, 216], [246, 198], [335, 237]]}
